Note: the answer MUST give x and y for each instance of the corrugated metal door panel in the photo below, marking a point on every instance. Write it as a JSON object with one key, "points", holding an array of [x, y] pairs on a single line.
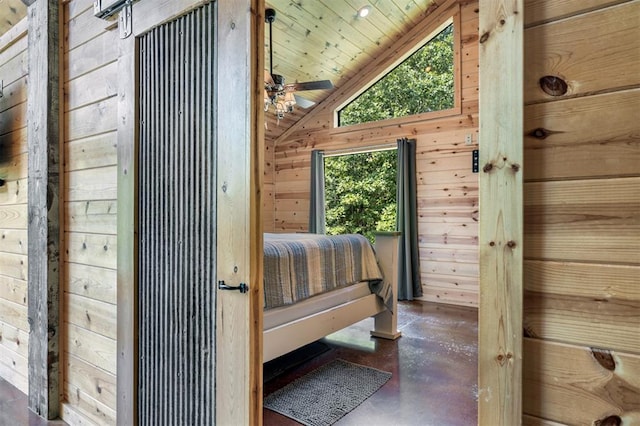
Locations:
{"points": [[176, 220]]}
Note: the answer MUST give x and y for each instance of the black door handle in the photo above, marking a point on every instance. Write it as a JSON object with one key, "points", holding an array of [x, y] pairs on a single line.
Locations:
{"points": [[243, 288]]}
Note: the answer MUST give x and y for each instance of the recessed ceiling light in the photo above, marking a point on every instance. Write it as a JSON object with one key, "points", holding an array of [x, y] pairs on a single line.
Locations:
{"points": [[364, 11]]}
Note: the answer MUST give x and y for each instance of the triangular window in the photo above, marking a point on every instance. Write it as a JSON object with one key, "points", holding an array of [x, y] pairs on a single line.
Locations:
{"points": [[422, 83]]}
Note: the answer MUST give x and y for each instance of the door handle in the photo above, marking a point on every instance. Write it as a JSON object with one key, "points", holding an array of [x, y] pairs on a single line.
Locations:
{"points": [[242, 288]]}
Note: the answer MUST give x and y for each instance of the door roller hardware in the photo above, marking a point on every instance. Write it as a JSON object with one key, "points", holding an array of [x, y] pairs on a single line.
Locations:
{"points": [[243, 288]]}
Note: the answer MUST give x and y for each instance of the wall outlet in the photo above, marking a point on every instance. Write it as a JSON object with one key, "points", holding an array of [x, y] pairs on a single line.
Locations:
{"points": [[468, 139]]}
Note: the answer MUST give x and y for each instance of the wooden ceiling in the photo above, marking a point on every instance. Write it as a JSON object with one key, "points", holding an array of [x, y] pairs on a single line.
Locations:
{"points": [[11, 12], [325, 39], [313, 40]]}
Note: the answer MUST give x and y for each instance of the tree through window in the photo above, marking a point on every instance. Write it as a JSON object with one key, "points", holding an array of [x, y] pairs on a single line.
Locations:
{"points": [[360, 193], [424, 82]]}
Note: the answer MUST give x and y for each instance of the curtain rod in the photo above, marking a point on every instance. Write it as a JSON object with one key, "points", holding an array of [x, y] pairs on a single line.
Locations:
{"points": [[360, 149]]}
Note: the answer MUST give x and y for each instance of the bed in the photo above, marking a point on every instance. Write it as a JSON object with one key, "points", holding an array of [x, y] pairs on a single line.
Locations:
{"points": [[317, 284]]}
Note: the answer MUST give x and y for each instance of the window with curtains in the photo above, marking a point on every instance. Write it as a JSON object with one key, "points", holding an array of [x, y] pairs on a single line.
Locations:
{"points": [[360, 192], [423, 82], [354, 192]]}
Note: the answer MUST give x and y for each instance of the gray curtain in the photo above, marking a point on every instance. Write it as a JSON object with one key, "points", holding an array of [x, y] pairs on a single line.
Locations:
{"points": [[409, 285], [316, 206]]}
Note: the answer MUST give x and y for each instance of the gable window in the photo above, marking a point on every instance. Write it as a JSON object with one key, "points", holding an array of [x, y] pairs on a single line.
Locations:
{"points": [[424, 82]]}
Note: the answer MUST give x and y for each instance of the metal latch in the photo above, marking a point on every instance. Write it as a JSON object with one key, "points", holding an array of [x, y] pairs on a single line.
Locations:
{"points": [[243, 288], [125, 20], [106, 9]]}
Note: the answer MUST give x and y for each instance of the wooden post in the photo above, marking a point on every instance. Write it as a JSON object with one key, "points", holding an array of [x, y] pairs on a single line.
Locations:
{"points": [[387, 248], [501, 212], [44, 181], [127, 366], [240, 146]]}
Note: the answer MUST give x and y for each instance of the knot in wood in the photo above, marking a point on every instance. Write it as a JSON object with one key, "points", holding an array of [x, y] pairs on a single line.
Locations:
{"points": [[484, 37], [609, 421], [553, 85], [511, 244], [487, 167], [539, 133], [515, 167], [604, 358]]}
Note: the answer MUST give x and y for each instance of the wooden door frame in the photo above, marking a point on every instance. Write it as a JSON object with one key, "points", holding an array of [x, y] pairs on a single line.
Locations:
{"points": [[501, 234], [240, 27], [501, 210], [500, 241]]}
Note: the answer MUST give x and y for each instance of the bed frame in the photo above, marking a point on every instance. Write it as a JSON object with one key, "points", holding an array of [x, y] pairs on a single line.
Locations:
{"points": [[290, 327]]}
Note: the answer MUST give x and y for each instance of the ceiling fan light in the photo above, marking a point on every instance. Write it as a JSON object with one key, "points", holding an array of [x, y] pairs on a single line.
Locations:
{"points": [[280, 110], [289, 101]]}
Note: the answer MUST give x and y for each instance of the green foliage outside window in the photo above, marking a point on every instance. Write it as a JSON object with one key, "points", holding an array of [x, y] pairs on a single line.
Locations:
{"points": [[360, 191], [422, 83]]}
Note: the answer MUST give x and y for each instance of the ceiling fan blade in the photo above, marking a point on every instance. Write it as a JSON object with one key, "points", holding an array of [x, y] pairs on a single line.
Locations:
{"points": [[303, 102], [311, 85]]}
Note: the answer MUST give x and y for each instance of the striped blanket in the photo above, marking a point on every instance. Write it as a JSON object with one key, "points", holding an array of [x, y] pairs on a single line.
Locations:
{"points": [[298, 266]]}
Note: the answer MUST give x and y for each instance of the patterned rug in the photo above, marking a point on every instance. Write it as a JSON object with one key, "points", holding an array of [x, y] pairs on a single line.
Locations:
{"points": [[326, 394]]}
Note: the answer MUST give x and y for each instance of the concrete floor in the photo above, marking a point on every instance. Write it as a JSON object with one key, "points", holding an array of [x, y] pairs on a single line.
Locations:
{"points": [[434, 367], [14, 411]]}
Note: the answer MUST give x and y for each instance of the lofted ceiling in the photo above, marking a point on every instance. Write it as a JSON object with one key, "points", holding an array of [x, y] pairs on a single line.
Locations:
{"points": [[313, 40], [327, 40], [11, 12]]}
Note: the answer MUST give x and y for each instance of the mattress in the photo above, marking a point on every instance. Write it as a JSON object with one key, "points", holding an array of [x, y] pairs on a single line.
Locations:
{"points": [[301, 266]]}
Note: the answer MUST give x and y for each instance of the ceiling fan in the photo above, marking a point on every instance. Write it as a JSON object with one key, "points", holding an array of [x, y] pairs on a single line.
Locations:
{"points": [[282, 95]]}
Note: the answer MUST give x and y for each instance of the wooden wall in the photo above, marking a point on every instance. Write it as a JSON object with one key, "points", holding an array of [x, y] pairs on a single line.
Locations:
{"points": [[90, 208], [447, 188], [268, 208], [582, 213], [14, 328]]}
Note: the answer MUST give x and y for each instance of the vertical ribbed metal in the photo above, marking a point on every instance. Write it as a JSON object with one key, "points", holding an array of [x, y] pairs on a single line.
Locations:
{"points": [[176, 208]]}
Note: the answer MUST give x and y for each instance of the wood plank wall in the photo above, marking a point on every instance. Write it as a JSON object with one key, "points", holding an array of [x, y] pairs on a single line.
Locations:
{"points": [[90, 208], [268, 187], [582, 213], [14, 328], [447, 188]]}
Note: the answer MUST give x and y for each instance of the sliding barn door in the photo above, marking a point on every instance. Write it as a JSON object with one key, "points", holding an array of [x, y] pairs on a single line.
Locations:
{"points": [[176, 222]]}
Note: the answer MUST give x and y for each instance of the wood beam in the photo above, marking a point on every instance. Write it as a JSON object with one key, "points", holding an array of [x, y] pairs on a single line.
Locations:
{"points": [[240, 37], [44, 181], [127, 298], [501, 212]]}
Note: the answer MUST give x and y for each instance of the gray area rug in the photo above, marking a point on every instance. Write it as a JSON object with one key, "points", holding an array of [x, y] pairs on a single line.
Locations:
{"points": [[326, 394]]}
